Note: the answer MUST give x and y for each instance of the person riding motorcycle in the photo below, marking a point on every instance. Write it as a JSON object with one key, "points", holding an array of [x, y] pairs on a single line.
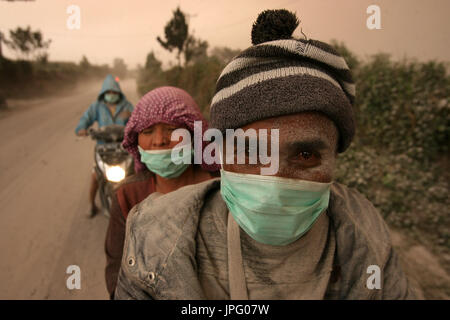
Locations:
{"points": [[111, 107], [157, 114]]}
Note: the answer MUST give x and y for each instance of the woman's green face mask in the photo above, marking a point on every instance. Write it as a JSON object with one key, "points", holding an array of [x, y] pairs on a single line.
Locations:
{"points": [[167, 163]]}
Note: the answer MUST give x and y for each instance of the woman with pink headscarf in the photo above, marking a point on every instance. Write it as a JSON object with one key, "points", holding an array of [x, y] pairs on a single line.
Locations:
{"points": [[148, 139]]}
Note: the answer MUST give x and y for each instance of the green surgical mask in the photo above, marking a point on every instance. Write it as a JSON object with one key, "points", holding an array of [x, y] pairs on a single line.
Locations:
{"points": [[273, 210], [112, 97], [160, 161]]}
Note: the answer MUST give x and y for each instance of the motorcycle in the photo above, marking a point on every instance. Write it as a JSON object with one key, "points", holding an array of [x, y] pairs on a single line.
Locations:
{"points": [[112, 162]]}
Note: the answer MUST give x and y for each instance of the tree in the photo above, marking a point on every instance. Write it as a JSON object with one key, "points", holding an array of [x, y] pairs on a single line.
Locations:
{"points": [[3, 104], [84, 63], [1, 41], [152, 63], [43, 58], [119, 67], [2, 35], [27, 43], [176, 33], [194, 49]]}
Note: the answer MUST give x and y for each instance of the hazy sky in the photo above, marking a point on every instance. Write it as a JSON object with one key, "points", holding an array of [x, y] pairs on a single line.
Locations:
{"points": [[128, 29]]}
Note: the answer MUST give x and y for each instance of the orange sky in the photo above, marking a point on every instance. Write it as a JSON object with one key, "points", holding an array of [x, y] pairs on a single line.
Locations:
{"points": [[128, 29]]}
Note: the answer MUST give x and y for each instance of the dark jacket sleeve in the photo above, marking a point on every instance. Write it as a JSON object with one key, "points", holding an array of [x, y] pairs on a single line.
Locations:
{"points": [[115, 237]]}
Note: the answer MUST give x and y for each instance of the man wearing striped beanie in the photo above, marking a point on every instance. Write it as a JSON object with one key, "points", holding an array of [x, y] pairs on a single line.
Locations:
{"points": [[294, 234], [284, 76]]}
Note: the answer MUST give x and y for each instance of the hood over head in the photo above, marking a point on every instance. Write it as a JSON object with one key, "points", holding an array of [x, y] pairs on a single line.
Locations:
{"points": [[110, 84]]}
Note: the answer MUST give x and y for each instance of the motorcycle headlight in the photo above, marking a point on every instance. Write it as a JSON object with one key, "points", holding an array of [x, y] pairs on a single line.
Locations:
{"points": [[114, 173]]}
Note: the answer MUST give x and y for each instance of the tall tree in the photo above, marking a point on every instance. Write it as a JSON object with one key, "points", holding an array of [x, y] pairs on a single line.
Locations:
{"points": [[1, 34], [27, 42], [176, 33]]}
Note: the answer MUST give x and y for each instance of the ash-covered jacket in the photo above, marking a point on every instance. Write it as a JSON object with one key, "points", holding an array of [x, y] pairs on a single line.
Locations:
{"points": [[159, 260], [98, 111]]}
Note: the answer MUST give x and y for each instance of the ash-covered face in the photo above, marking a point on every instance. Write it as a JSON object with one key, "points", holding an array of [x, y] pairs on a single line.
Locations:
{"points": [[158, 137], [307, 147]]}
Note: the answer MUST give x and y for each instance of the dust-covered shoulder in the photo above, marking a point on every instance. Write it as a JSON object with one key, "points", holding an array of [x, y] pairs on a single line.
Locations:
{"points": [[352, 210], [159, 226]]}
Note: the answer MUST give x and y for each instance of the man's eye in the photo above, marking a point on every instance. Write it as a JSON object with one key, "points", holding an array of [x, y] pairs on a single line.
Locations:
{"points": [[306, 155], [307, 159]]}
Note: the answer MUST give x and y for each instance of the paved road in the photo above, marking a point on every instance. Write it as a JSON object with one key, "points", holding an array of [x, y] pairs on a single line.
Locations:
{"points": [[44, 183]]}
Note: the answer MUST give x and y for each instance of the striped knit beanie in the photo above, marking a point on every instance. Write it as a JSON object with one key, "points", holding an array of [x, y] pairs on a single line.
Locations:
{"points": [[280, 75]]}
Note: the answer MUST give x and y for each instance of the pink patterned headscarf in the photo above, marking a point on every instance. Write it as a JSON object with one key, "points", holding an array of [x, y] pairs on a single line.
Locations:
{"points": [[168, 105]]}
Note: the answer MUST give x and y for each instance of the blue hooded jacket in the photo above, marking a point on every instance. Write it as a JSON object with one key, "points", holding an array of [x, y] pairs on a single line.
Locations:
{"points": [[99, 111]]}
